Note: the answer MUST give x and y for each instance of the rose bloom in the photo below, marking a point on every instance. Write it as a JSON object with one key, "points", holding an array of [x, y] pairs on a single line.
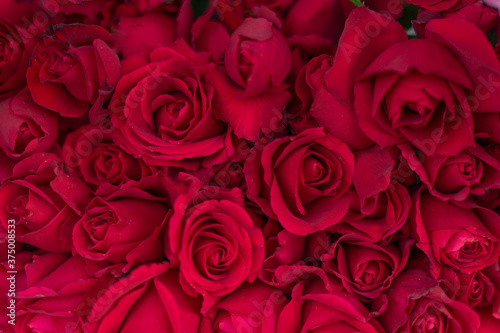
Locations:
{"points": [[475, 289], [27, 128], [149, 298], [379, 205], [319, 303], [213, 241], [257, 56], [308, 82], [91, 153], [465, 237], [416, 303], [162, 110], [126, 224], [440, 5], [249, 91], [44, 201], [398, 100], [88, 8], [76, 64], [476, 12], [16, 47], [140, 25], [366, 269], [252, 307], [301, 181], [56, 284], [471, 171]]}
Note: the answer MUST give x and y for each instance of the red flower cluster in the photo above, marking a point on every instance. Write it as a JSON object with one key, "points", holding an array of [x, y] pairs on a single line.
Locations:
{"points": [[249, 166]]}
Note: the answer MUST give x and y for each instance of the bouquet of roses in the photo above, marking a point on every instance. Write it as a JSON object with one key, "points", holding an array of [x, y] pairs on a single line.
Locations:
{"points": [[249, 166]]}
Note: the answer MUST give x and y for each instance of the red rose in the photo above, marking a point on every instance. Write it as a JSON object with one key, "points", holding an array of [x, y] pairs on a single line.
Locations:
{"points": [[319, 303], [15, 52], [463, 237], [126, 224], [301, 181], [308, 82], [74, 63], [440, 5], [92, 154], [56, 284], [475, 289], [471, 171], [251, 117], [257, 57], [136, 32], [379, 205], [163, 111], [316, 26], [20, 282], [210, 36], [44, 201], [477, 12], [366, 269], [89, 8], [250, 308], [250, 94], [213, 241], [27, 128], [416, 303], [149, 298], [394, 103]]}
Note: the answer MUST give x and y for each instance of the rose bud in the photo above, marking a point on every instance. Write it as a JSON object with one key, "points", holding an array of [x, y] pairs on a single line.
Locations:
{"points": [[27, 127], [257, 57], [465, 237], [149, 298], [76, 64]]}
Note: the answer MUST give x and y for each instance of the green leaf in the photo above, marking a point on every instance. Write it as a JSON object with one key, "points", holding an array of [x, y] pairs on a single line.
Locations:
{"points": [[358, 3]]}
